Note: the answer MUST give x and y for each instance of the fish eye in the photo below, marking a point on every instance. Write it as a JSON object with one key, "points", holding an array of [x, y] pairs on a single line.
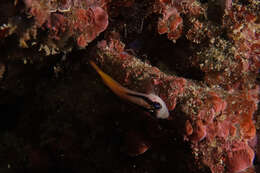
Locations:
{"points": [[157, 105]]}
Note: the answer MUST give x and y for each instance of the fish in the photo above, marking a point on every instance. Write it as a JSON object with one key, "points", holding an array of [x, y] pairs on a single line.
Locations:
{"points": [[150, 102]]}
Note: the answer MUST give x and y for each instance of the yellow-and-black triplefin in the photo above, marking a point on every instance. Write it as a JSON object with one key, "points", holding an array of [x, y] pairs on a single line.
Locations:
{"points": [[150, 102]]}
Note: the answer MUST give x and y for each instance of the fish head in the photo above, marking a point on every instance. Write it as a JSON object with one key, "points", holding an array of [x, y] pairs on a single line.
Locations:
{"points": [[159, 107]]}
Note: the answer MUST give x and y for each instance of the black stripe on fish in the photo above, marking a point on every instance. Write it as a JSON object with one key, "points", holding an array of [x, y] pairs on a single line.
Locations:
{"points": [[155, 105]]}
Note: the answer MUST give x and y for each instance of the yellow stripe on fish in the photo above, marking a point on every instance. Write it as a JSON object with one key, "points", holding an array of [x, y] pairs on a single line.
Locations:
{"points": [[151, 102]]}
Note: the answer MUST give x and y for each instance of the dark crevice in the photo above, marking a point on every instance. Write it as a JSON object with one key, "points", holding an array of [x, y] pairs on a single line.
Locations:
{"points": [[156, 49], [159, 49]]}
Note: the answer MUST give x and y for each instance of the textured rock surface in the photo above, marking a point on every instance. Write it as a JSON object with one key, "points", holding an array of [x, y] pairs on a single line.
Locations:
{"points": [[201, 57]]}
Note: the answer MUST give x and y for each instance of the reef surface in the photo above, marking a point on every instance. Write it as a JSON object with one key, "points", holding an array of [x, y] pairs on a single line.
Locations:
{"points": [[201, 57]]}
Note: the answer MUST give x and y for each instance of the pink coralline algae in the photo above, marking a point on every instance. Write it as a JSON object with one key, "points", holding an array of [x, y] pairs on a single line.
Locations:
{"points": [[226, 122], [240, 157], [199, 132], [219, 124], [90, 23], [171, 22], [233, 62], [245, 32], [81, 20]]}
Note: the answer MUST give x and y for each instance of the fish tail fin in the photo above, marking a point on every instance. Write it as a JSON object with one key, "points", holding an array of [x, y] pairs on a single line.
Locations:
{"points": [[100, 72], [111, 83]]}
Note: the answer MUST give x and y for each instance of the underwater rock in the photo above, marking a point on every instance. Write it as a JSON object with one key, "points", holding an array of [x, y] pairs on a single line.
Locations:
{"points": [[59, 22], [240, 158], [216, 119], [135, 144], [172, 22]]}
